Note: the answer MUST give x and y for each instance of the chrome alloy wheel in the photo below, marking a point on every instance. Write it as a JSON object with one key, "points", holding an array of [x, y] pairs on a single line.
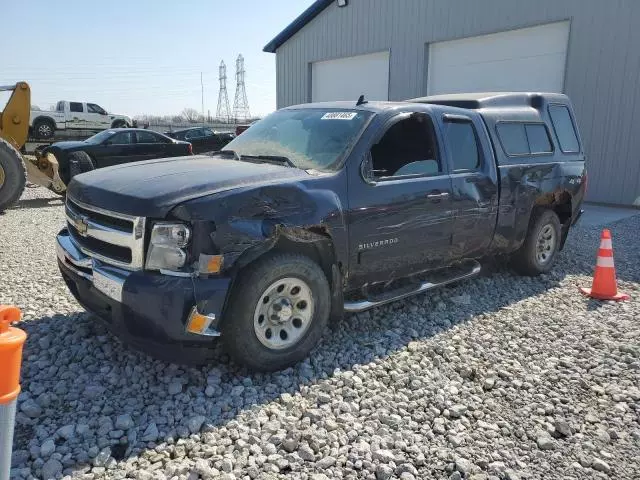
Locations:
{"points": [[284, 313]]}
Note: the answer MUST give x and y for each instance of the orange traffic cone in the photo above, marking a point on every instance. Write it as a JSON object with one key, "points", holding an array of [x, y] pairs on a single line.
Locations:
{"points": [[11, 341], [604, 285]]}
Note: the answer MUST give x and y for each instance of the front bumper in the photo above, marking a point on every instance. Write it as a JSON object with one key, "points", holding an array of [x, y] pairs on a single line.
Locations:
{"points": [[145, 309]]}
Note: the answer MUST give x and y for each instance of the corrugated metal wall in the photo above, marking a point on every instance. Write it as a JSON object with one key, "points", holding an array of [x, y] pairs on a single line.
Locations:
{"points": [[602, 77]]}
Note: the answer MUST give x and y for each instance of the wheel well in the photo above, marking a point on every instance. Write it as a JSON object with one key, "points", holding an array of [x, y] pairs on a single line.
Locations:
{"points": [[563, 210], [316, 246], [45, 120], [560, 204], [118, 122]]}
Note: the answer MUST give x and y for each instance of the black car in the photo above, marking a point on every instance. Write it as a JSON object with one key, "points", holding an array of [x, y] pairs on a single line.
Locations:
{"points": [[113, 147], [203, 139], [317, 210]]}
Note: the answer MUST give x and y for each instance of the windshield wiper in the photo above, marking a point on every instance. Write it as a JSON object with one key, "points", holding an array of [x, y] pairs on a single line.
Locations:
{"points": [[275, 159], [231, 153]]}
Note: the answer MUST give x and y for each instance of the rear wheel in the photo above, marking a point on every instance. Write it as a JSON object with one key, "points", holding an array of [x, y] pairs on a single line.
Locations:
{"points": [[277, 312], [13, 175], [540, 248], [79, 162], [44, 128]]}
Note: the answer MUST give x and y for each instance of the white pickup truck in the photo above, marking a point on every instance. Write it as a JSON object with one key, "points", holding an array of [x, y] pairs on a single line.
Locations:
{"points": [[75, 118]]}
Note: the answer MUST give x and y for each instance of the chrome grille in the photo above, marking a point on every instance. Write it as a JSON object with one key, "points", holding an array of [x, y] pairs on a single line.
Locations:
{"points": [[114, 238]]}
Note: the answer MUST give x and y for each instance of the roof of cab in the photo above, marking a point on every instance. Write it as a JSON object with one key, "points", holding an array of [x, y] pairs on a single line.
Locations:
{"points": [[480, 100], [369, 106]]}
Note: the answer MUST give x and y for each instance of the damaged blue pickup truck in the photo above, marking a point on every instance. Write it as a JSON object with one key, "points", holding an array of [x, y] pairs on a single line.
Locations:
{"points": [[316, 210]]}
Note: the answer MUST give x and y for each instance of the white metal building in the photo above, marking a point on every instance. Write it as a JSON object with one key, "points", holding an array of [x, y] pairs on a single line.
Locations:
{"points": [[399, 49]]}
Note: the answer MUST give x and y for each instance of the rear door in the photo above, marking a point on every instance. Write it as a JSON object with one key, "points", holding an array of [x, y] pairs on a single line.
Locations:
{"points": [[76, 116], [474, 184], [400, 217], [197, 140], [149, 145]]}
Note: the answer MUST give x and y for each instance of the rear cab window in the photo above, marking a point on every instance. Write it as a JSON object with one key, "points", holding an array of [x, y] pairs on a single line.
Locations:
{"points": [[462, 142], [524, 138], [564, 128]]}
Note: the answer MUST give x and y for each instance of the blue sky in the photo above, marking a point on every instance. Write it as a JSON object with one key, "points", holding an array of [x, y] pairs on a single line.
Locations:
{"points": [[142, 56]]}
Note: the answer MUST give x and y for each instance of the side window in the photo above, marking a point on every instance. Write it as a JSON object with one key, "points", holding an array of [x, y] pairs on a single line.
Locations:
{"points": [[462, 143], [124, 138], [520, 138], [93, 108], [75, 107], [192, 134], [207, 132], [538, 138], [513, 138], [564, 128], [408, 147], [148, 137]]}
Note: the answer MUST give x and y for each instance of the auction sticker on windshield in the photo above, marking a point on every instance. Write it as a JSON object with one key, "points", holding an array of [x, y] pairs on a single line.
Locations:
{"points": [[339, 116]]}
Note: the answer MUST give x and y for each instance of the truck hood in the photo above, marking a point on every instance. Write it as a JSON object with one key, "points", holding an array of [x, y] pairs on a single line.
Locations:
{"points": [[153, 188]]}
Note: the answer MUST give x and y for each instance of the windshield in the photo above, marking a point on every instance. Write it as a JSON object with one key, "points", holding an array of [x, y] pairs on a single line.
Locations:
{"points": [[101, 137], [309, 138]]}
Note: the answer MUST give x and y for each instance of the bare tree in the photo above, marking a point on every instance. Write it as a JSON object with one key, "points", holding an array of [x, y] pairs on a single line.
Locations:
{"points": [[190, 115]]}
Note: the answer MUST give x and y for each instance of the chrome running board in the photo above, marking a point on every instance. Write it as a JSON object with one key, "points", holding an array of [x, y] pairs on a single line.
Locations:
{"points": [[362, 305]]}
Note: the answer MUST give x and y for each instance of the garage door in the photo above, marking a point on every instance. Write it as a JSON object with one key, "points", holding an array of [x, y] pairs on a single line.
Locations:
{"points": [[348, 78], [526, 59]]}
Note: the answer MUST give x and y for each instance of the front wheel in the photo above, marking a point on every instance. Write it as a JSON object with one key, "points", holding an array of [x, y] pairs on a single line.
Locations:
{"points": [[79, 162], [540, 248], [277, 312]]}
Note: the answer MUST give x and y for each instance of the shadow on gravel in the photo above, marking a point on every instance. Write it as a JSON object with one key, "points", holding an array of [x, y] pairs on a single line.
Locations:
{"points": [[38, 203], [75, 373]]}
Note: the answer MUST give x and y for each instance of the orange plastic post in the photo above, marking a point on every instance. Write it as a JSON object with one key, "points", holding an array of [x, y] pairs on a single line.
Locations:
{"points": [[605, 285], [11, 342]]}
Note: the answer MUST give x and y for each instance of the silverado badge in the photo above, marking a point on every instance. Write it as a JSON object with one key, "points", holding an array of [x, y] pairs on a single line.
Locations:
{"points": [[376, 244]]}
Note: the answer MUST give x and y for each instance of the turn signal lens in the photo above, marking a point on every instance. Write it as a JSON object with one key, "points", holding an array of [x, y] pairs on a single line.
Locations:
{"points": [[210, 263], [199, 324]]}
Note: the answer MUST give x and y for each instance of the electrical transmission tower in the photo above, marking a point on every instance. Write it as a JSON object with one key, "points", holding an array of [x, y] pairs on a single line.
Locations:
{"points": [[240, 103], [223, 112]]}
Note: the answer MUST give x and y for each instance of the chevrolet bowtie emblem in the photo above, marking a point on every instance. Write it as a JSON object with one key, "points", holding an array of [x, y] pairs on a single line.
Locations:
{"points": [[82, 223]]}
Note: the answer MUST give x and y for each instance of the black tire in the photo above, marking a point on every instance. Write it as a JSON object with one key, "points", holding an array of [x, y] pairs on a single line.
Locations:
{"points": [[13, 175], [79, 162], [119, 124], [239, 336], [44, 128], [537, 255]]}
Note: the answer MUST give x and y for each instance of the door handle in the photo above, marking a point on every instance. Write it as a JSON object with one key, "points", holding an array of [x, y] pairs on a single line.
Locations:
{"points": [[437, 195]]}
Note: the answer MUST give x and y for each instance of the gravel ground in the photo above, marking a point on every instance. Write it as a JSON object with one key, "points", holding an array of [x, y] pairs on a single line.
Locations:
{"points": [[500, 377]]}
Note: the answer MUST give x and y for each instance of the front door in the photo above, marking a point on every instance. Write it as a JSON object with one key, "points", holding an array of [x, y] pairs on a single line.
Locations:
{"points": [[97, 117], [117, 149], [400, 216]]}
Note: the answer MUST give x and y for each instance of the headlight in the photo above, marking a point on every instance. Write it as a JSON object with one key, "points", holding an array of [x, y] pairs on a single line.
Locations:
{"points": [[166, 246]]}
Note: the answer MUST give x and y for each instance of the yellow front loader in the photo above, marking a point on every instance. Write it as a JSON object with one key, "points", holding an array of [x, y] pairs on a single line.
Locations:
{"points": [[15, 169]]}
